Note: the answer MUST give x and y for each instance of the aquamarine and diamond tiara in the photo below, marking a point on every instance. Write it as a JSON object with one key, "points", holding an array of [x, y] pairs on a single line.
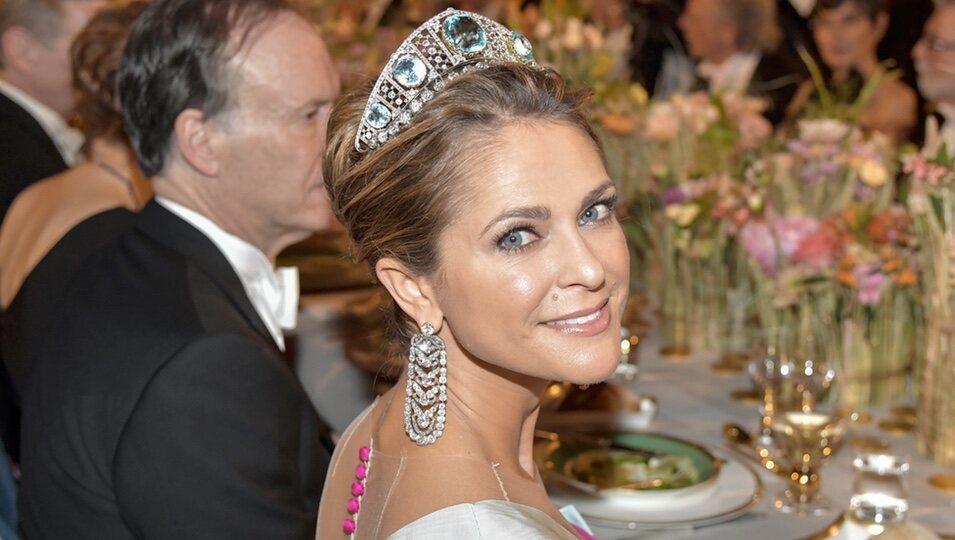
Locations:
{"points": [[447, 45]]}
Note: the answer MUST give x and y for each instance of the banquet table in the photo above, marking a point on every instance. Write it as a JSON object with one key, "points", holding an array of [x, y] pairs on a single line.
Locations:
{"points": [[693, 403]]}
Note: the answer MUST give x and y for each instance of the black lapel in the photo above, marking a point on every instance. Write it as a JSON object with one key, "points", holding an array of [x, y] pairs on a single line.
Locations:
{"points": [[11, 112], [170, 230]]}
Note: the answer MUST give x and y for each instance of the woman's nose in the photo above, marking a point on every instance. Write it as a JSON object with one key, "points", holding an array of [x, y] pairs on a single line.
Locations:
{"points": [[580, 264]]}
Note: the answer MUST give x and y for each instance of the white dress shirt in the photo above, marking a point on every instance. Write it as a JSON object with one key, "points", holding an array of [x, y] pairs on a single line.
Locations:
{"points": [[732, 75], [67, 140], [273, 293]]}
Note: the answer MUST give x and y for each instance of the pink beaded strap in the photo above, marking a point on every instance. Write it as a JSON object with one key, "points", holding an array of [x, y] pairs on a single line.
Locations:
{"points": [[357, 490]]}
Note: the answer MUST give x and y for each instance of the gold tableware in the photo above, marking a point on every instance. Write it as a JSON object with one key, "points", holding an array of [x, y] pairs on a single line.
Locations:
{"points": [[862, 443], [897, 427], [943, 482], [747, 396]]}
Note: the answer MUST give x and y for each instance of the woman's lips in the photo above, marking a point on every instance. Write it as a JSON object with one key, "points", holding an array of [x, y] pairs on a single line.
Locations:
{"points": [[586, 324]]}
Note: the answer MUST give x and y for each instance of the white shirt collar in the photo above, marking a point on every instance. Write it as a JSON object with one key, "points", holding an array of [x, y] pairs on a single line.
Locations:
{"points": [[67, 140], [733, 74], [273, 293]]}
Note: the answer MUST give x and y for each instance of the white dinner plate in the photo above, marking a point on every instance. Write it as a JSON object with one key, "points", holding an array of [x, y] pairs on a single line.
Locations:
{"points": [[737, 489]]}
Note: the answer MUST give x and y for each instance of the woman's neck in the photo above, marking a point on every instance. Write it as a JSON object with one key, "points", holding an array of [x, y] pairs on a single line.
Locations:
{"points": [[118, 161], [491, 414]]}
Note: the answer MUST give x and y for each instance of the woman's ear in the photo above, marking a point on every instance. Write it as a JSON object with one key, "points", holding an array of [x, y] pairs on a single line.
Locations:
{"points": [[414, 294], [881, 26]]}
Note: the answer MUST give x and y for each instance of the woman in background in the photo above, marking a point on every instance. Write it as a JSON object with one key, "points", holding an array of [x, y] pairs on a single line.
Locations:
{"points": [[847, 34]]}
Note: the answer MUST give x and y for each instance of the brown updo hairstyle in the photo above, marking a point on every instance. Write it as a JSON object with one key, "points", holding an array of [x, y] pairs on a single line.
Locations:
{"points": [[96, 53], [396, 200]]}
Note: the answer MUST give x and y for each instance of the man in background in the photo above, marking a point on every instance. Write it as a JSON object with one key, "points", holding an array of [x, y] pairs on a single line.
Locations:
{"points": [[735, 43], [160, 406], [36, 97], [36, 90], [934, 56]]}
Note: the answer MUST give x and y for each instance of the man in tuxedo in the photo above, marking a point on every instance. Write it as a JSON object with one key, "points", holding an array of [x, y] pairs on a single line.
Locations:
{"points": [[159, 405], [934, 56], [735, 43], [36, 95]]}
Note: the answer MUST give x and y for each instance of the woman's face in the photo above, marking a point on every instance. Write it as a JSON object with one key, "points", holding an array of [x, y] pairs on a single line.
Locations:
{"points": [[845, 36], [534, 271]]}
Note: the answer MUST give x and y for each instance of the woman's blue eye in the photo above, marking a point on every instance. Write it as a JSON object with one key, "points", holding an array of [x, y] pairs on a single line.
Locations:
{"points": [[516, 239], [596, 212]]}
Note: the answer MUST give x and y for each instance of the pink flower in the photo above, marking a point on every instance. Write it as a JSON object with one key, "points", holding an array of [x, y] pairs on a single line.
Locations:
{"points": [[870, 285], [791, 230], [818, 250], [757, 239], [753, 130]]}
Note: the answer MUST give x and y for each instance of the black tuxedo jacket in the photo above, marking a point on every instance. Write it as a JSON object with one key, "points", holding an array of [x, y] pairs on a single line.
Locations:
{"points": [[27, 153], [27, 320], [159, 406]]}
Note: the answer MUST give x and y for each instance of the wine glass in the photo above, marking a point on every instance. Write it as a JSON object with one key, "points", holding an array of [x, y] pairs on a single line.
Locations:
{"points": [[879, 490], [768, 369], [804, 440], [812, 381]]}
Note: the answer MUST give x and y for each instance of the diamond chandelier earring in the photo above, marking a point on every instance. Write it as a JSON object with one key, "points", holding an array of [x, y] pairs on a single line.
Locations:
{"points": [[427, 390]]}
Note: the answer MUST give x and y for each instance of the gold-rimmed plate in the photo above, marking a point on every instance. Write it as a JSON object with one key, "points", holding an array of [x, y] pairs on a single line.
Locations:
{"points": [[737, 489], [649, 468]]}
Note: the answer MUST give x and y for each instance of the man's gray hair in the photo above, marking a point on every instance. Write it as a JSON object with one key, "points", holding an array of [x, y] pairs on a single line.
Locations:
{"points": [[42, 18]]}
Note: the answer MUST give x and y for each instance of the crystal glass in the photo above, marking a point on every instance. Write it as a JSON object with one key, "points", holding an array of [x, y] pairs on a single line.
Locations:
{"points": [[629, 366], [768, 370], [879, 489], [804, 440], [812, 380]]}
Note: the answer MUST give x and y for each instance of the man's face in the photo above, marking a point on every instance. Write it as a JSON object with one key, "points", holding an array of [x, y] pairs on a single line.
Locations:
{"points": [[934, 56], [709, 37], [274, 135], [52, 71]]}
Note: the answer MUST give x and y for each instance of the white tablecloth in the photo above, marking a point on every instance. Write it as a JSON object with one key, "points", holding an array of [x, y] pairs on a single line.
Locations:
{"points": [[693, 401]]}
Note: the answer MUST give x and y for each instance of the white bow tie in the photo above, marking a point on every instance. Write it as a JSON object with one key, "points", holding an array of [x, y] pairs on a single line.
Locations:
{"points": [[282, 298]]}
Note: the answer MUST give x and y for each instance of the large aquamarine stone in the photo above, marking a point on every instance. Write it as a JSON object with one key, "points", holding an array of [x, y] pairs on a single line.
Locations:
{"points": [[464, 33], [522, 46], [377, 115], [410, 71]]}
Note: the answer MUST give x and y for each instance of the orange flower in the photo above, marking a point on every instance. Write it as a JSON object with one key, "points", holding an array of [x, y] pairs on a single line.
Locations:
{"points": [[906, 277], [618, 124]]}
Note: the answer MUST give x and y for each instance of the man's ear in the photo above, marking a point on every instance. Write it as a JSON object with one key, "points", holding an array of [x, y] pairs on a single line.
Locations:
{"points": [[20, 48], [414, 294], [194, 139]]}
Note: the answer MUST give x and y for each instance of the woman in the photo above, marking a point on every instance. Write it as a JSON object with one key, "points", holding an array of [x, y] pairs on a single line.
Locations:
{"points": [[43, 213], [487, 214], [847, 34]]}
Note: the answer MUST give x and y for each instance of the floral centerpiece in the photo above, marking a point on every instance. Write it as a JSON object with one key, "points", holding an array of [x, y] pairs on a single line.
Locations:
{"points": [[931, 198], [848, 281], [696, 147]]}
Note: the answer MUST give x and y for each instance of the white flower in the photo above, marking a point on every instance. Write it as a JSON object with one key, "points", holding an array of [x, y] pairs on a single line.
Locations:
{"points": [[593, 37], [662, 122], [873, 173], [682, 214], [825, 130], [543, 29], [573, 37]]}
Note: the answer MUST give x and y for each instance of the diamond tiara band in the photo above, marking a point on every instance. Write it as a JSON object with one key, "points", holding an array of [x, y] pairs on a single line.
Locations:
{"points": [[449, 44]]}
